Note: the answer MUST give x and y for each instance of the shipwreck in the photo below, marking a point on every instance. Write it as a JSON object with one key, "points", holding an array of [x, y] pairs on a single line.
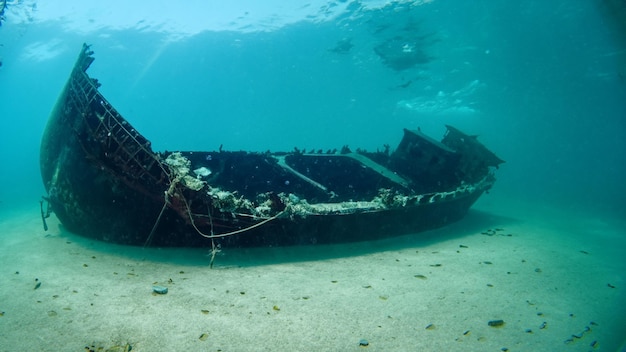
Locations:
{"points": [[104, 181]]}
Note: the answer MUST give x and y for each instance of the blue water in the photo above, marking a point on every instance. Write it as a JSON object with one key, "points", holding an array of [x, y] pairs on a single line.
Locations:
{"points": [[543, 83]]}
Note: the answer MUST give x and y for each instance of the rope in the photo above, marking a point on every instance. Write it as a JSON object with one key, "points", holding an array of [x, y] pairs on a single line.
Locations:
{"points": [[221, 235], [156, 223], [165, 203]]}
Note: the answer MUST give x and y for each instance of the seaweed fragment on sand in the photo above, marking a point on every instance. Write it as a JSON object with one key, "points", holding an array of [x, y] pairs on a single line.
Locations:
{"points": [[496, 323]]}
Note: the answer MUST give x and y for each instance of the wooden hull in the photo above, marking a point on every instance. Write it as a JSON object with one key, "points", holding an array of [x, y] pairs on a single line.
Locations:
{"points": [[104, 181]]}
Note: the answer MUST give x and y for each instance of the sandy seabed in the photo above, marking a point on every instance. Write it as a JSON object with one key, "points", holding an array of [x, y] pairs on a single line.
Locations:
{"points": [[556, 279]]}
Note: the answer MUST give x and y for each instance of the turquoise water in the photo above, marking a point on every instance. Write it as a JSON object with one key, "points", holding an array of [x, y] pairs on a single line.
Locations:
{"points": [[543, 84]]}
